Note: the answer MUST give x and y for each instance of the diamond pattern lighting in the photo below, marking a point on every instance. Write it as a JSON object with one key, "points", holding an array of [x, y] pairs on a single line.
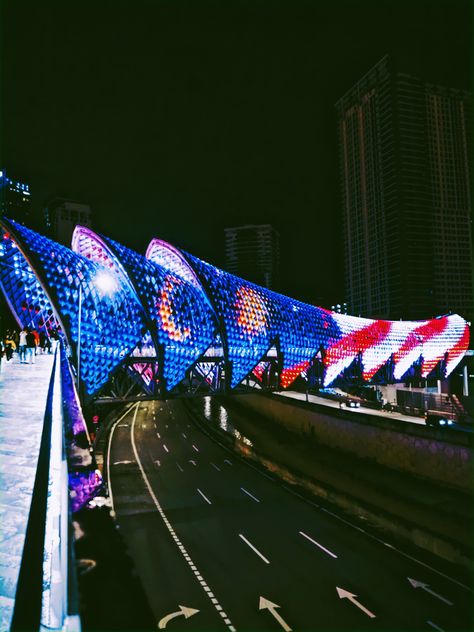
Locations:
{"points": [[174, 306], [177, 311], [111, 317]]}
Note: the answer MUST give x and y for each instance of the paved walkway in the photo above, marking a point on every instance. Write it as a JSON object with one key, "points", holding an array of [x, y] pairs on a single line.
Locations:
{"points": [[23, 392]]}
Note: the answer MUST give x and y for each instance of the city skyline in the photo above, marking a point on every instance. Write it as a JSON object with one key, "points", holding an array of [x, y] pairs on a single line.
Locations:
{"points": [[189, 119]]}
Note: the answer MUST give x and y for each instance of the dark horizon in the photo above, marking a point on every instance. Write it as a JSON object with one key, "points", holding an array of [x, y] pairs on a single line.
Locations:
{"points": [[178, 120]]}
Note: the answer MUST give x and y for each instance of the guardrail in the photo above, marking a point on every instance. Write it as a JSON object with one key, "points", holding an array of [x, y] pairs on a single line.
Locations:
{"points": [[66, 478]]}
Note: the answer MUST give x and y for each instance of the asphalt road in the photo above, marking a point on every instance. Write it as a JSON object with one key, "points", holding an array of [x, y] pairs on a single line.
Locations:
{"points": [[212, 534]]}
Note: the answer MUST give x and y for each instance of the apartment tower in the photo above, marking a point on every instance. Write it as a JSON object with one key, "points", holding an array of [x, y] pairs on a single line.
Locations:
{"points": [[404, 170]]}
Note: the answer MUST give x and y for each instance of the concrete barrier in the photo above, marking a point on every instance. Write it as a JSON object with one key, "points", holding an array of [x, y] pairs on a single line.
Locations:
{"points": [[440, 455]]}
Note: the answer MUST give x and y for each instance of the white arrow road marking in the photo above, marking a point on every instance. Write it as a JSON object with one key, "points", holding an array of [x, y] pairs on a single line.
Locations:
{"points": [[205, 498], [158, 462], [317, 544], [122, 462], [416, 584], [249, 494], [179, 467], [345, 594], [215, 466], [193, 462], [266, 604], [172, 532], [187, 612], [194, 447], [253, 548], [165, 448], [227, 461], [183, 435]]}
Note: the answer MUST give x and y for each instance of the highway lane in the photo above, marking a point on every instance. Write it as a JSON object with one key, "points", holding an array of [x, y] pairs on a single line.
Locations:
{"points": [[211, 533]]}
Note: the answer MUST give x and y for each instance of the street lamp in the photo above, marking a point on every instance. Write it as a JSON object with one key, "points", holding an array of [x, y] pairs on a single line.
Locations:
{"points": [[106, 285]]}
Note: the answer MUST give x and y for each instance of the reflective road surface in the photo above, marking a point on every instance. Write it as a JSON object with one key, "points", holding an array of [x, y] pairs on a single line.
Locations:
{"points": [[220, 545]]}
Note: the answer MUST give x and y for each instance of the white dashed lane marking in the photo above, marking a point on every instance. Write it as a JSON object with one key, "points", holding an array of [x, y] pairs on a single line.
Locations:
{"points": [[255, 550], [165, 448], [205, 497], [215, 467], [249, 494], [318, 545], [169, 526]]}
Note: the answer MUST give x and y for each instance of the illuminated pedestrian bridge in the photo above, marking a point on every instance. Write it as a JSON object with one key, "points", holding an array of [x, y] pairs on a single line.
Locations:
{"points": [[173, 323]]}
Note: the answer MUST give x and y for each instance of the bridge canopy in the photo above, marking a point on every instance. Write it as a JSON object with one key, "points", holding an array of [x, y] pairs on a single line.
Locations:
{"points": [[116, 307]]}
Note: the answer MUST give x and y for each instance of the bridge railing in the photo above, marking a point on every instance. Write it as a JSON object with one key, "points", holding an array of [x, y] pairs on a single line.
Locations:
{"points": [[46, 595]]}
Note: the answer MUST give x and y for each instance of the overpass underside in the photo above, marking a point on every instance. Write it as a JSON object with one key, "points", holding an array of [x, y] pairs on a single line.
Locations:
{"points": [[167, 324]]}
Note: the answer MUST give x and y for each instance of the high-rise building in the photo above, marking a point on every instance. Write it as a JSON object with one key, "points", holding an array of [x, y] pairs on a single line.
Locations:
{"points": [[15, 198], [253, 252], [404, 168], [62, 216]]}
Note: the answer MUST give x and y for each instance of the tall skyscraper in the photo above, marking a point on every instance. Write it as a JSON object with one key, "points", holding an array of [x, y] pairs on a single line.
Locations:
{"points": [[253, 252], [404, 168], [62, 216], [15, 198]]}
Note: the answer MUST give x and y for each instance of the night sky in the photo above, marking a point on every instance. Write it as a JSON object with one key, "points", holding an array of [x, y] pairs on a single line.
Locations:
{"points": [[176, 119]]}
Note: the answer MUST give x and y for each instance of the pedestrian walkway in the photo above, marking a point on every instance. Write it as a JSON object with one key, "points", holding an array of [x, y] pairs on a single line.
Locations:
{"points": [[23, 394]]}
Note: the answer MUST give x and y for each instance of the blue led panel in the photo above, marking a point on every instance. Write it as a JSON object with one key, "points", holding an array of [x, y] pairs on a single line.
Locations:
{"points": [[27, 298], [180, 305], [180, 317], [111, 317], [254, 318]]}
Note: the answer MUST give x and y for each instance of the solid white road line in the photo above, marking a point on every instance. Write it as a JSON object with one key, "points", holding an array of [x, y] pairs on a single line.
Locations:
{"points": [[215, 466], [253, 548], [319, 545], [165, 448], [194, 447], [109, 447], [249, 494], [179, 467], [169, 526], [205, 497]]}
